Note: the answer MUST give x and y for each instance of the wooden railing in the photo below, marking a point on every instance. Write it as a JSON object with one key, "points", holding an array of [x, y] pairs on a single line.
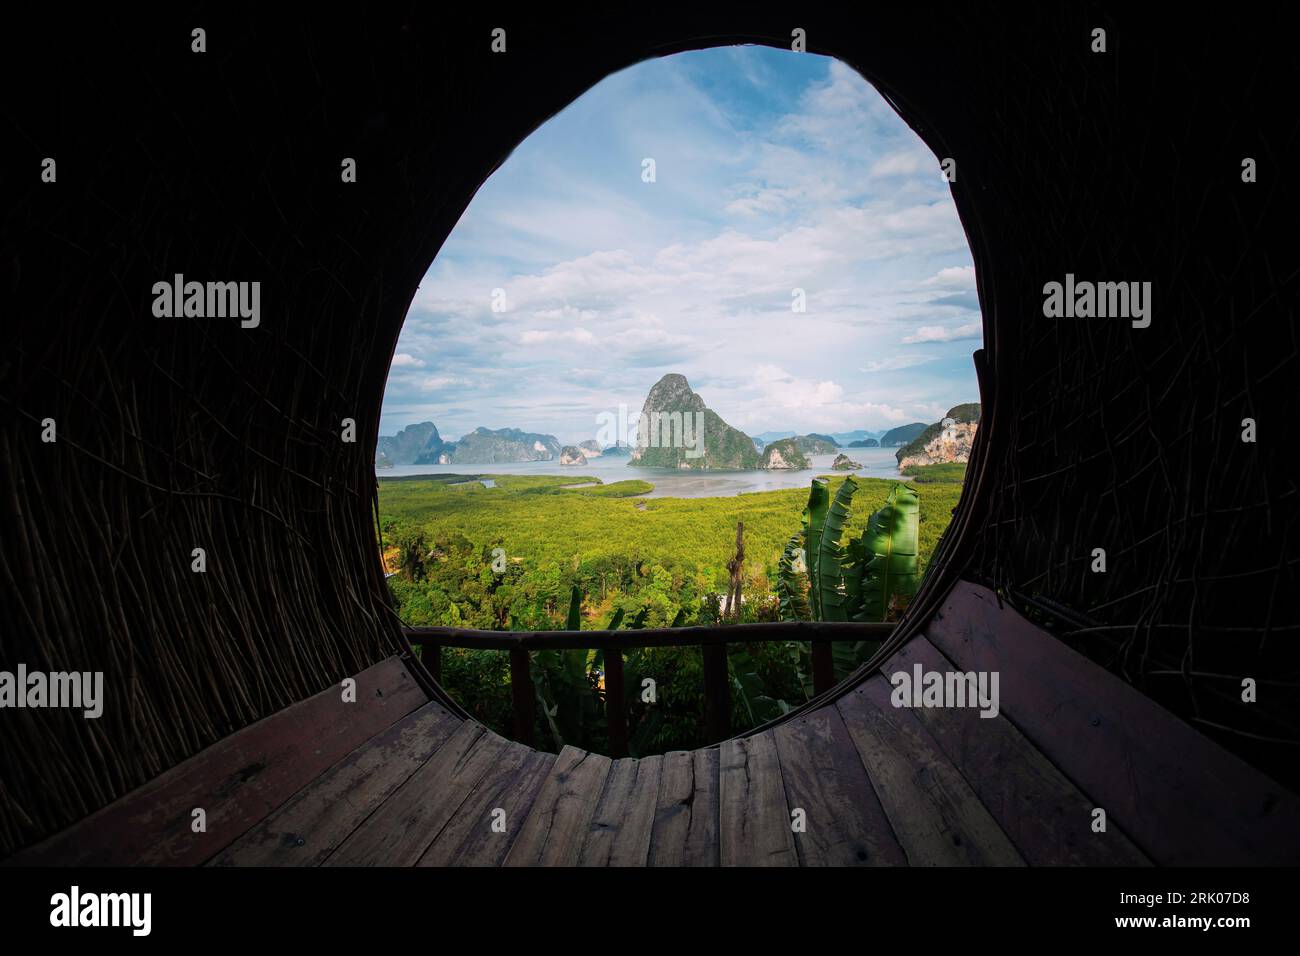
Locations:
{"points": [[712, 640]]}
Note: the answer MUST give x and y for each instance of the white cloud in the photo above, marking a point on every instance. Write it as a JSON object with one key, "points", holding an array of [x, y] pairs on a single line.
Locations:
{"points": [[905, 163], [403, 360], [943, 333], [774, 395], [953, 277], [896, 363], [538, 336], [433, 383], [566, 312]]}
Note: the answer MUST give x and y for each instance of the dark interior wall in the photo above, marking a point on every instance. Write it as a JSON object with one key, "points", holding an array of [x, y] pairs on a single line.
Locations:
{"points": [[182, 433]]}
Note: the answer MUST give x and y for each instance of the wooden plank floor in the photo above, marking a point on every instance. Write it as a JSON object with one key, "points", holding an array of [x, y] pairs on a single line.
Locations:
{"points": [[395, 780]]}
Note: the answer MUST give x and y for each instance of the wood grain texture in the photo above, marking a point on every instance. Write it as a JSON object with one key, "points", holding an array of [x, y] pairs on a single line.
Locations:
{"points": [[237, 781], [753, 818], [311, 825], [1179, 796], [620, 828], [555, 829], [935, 815], [469, 838], [1044, 814], [824, 776], [398, 833], [685, 831]]}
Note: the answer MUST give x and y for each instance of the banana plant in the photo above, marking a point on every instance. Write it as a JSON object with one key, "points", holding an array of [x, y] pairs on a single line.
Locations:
{"points": [[792, 581], [869, 578], [814, 518], [833, 565], [562, 683], [890, 543]]}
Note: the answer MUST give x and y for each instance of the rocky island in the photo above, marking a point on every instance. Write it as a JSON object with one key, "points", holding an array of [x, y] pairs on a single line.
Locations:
{"points": [[783, 454], [947, 440], [422, 445], [677, 430], [901, 435]]}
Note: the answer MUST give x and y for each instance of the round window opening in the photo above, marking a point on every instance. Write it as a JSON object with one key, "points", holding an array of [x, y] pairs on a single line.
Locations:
{"points": [[697, 355]]}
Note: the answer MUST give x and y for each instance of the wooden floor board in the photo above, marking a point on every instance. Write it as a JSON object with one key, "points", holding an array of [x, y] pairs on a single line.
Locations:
{"points": [[844, 824], [492, 816], [620, 829], [1177, 794], [1043, 813], [406, 824], [754, 819], [931, 808], [685, 831], [311, 825], [237, 781], [556, 827]]}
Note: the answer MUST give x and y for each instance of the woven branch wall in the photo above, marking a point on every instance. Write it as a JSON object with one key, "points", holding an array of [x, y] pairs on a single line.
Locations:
{"points": [[183, 434]]}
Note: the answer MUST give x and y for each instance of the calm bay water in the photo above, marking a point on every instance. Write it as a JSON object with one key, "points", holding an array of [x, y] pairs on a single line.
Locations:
{"points": [[876, 463]]}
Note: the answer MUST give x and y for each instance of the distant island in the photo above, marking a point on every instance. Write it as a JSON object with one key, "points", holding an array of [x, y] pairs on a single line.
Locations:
{"points": [[422, 445], [896, 437], [675, 417], [679, 431], [784, 453], [685, 433], [947, 440]]}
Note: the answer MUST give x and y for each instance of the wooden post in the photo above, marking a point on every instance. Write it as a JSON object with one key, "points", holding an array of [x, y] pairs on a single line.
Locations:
{"points": [[615, 710], [823, 666], [521, 692], [431, 655], [717, 694]]}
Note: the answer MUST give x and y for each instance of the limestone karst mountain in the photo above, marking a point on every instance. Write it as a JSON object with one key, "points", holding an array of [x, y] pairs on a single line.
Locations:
{"points": [[484, 446], [422, 445], [947, 440], [784, 454], [901, 435], [682, 432], [413, 445]]}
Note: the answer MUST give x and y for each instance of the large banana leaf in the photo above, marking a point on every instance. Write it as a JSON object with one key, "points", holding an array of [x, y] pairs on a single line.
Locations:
{"points": [[890, 541], [792, 585], [814, 524], [831, 558], [854, 563], [750, 689]]}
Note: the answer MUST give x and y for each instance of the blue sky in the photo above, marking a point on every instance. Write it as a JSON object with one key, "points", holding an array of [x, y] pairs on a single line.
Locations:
{"points": [[774, 171]]}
